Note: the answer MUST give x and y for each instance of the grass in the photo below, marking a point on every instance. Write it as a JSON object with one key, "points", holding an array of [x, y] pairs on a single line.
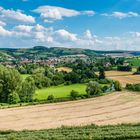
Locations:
{"points": [[60, 91], [134, 61], [24, 76], [111, 132], [61, 94]]}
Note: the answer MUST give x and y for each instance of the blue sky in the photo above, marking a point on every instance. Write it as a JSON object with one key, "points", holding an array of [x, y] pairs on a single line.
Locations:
{"points": [[92, 24]]}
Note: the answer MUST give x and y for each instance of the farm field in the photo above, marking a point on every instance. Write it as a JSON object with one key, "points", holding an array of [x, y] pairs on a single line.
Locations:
{"points": [[123, 77], [118, 107], [60, 91], [66, 69], [117, 73]]}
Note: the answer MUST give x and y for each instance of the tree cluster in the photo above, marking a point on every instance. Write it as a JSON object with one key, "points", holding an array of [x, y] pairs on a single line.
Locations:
{"points": [[13, 89]]}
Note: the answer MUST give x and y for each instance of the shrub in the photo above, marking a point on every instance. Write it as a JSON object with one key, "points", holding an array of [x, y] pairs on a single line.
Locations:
{"points": [[50, 98], [68, 83], [93, 88], [136, 73], [124, 68], [117, 86], [133, 87], [105, 88], [74, 94], [13, 98], [104, 81]]}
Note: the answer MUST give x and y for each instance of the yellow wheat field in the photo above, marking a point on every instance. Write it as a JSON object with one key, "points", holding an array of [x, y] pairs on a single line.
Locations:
{"points": [[123, 77]]}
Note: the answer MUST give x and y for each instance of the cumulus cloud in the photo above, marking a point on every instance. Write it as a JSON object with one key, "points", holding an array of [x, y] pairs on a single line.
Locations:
{"points": [[53, 13], [29, 36], [121, 15], [12, 15], [88, 34], [23, 28], [64, 35], [4, 32], [2, 23], [135, 34]]}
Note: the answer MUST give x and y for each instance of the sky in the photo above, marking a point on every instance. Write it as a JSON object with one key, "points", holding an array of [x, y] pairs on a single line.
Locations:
{"points": [[88, 24]]}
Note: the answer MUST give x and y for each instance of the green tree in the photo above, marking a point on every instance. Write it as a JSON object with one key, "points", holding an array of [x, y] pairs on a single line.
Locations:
{"points": [[138, 69], [101, 73], [27, 90], [10, 80], [93, 88]]}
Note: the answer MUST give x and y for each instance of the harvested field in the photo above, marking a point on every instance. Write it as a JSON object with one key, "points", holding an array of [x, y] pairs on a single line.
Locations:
{"points": [[131, 79], [123, 77], [65, 69], [117, 73], [115, 108]]}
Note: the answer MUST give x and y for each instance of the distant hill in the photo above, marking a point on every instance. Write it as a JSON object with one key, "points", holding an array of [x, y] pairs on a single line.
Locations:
{"points": [[42, 52]]}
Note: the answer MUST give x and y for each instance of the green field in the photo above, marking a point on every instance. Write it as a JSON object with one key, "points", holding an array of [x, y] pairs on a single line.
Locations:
{"points": [[134, 61], [60, 91], [116, 132], [24, 76]]}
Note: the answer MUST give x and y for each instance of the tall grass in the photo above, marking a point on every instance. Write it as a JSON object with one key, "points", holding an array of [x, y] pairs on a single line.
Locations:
{"points": [[116, 132]]}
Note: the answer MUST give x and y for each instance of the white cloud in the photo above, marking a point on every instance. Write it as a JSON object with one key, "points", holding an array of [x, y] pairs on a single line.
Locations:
{"points": [[2, 23], [18, 15], [23, 28], [121, 15], [64, 35], [135, 34], [53, 13], [88, 34], [4, 32], [29, 36], [89, 13]]}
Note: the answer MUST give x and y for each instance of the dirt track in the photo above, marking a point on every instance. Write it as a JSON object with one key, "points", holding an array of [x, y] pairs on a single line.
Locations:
{"points": [[110, 109]]}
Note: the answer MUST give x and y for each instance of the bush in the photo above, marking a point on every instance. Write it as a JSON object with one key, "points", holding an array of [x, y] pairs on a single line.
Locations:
{"points": [[67, 83], [93, 88], [136, 73], [104, 81], [117, 86], [50, 98], [13, 98], [124, 68], [133, 87], [74, 94], [105, 88]]}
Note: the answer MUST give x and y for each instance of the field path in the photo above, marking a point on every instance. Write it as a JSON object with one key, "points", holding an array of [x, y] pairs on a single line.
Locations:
{"points": [[119, 107]]}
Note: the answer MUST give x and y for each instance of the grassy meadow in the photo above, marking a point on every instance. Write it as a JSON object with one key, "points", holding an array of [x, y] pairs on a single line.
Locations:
{"points": [[134, 61], [59, 91]]}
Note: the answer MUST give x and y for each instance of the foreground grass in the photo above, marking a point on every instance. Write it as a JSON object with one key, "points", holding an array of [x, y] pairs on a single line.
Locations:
{"points": [[60, 91], [110, 132]]}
